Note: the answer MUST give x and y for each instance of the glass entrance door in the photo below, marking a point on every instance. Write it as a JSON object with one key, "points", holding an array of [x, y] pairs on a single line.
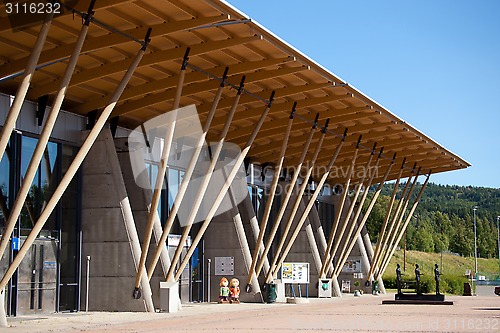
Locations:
{"points": [[37, 279]]}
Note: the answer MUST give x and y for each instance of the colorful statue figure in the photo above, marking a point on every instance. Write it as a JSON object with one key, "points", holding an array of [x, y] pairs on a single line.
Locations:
{"points": [[224, 291], [235, 291]]}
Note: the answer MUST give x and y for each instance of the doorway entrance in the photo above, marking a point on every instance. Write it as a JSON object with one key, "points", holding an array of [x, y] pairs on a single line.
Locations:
{"points": [[37, 279]]}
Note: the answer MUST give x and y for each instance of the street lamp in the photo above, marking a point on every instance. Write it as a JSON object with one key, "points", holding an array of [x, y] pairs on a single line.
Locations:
{"points": [[475, 243], [498, 239]]}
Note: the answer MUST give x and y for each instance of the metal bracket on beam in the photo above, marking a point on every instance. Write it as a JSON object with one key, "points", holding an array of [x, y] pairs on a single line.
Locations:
{"points": [[315, 122], [147, 40], [90, 14], [323, 130], [185, 59], [294, 108]]}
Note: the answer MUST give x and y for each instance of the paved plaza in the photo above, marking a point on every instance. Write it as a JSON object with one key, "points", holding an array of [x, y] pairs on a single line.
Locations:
{"points": [[346, 314]]}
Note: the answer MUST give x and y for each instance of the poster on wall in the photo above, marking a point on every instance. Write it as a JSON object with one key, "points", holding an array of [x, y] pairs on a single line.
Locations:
{"points": [[295, 272], [352, 265]]}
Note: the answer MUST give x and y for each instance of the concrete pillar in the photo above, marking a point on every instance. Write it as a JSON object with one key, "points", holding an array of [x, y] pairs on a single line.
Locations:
{"points": [[109, 233]]}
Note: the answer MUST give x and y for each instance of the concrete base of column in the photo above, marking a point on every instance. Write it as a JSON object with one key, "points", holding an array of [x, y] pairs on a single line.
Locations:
{"points": [[3, 315]]}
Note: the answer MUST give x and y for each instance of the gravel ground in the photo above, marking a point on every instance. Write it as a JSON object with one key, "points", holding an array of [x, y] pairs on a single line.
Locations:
{"points": [[346, 314]]}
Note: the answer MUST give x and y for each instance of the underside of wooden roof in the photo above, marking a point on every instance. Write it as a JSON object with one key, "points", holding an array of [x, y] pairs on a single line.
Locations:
{"points": [[218, 36]]}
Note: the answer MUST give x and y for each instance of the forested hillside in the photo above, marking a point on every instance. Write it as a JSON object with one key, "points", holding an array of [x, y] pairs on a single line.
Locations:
{"points": [[443, 220]]}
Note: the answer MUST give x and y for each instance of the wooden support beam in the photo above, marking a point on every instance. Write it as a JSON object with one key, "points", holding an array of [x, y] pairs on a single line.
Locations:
{"points": [[400, 219], [197, 81], [15, 109], [284, 203], [43, 140], [293, 212], [73, 168], [343, 251], [162, 170], [238, 163], [270, 200], [307, 210], [408, 219], [205, 182], [151, 59], [384, 224], [112, 39]]}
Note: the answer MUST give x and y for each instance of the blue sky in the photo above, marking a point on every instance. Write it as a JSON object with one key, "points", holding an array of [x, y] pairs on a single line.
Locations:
{"points": [[435, 64]]}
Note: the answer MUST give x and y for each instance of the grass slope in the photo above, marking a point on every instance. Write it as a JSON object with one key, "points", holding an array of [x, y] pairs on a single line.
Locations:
{"points": [[453, 265]]}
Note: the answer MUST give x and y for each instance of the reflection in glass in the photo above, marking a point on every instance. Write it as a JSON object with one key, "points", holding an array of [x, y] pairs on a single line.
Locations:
{"points": [[43, 185], [4, 188]]}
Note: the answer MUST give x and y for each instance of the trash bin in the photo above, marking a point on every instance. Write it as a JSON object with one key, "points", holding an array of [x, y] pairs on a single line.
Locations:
{"points": [[467, 289], [270, 292], [374, 287], [325, 288]]}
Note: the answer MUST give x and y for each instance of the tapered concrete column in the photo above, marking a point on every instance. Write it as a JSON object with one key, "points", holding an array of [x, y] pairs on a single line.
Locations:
{"points": [[43, 139], [242, 238], [15, 109], [321, 241], [254, 224], [369, 251]]}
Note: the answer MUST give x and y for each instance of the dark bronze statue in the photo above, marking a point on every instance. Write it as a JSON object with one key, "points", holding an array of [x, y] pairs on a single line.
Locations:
{"points": [[398, 278], [437, 277], [417, 278]]}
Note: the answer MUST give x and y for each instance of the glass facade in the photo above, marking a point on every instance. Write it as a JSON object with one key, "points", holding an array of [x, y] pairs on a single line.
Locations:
{"points": [[57, 249]]}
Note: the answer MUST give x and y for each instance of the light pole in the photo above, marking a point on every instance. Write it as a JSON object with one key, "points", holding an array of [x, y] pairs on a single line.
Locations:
{"points": [[498, 240], [475, 244]]}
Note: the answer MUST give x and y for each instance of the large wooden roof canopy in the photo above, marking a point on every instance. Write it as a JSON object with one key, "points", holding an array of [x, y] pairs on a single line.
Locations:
{"points": [[218, 36]]}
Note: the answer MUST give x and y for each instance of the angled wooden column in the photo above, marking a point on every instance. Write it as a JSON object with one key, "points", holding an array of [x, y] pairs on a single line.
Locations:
{"points": [[343, 253], [309, 206], [15, 109], [204, 185], [394, 219], [288, 195], [370, 207], [296, 205], [44, 137], [329, 253], [167, 144], [220, 196], [189, 172], [74, 166], [378, 249], [270, 199], [406, 200], [405, 225]]}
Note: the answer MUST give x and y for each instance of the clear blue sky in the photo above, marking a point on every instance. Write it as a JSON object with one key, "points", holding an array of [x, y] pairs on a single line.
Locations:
{"points": [[435, 64]]}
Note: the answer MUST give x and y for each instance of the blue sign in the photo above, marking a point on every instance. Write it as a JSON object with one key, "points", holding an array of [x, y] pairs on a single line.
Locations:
{"points": [[15, 243]]}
